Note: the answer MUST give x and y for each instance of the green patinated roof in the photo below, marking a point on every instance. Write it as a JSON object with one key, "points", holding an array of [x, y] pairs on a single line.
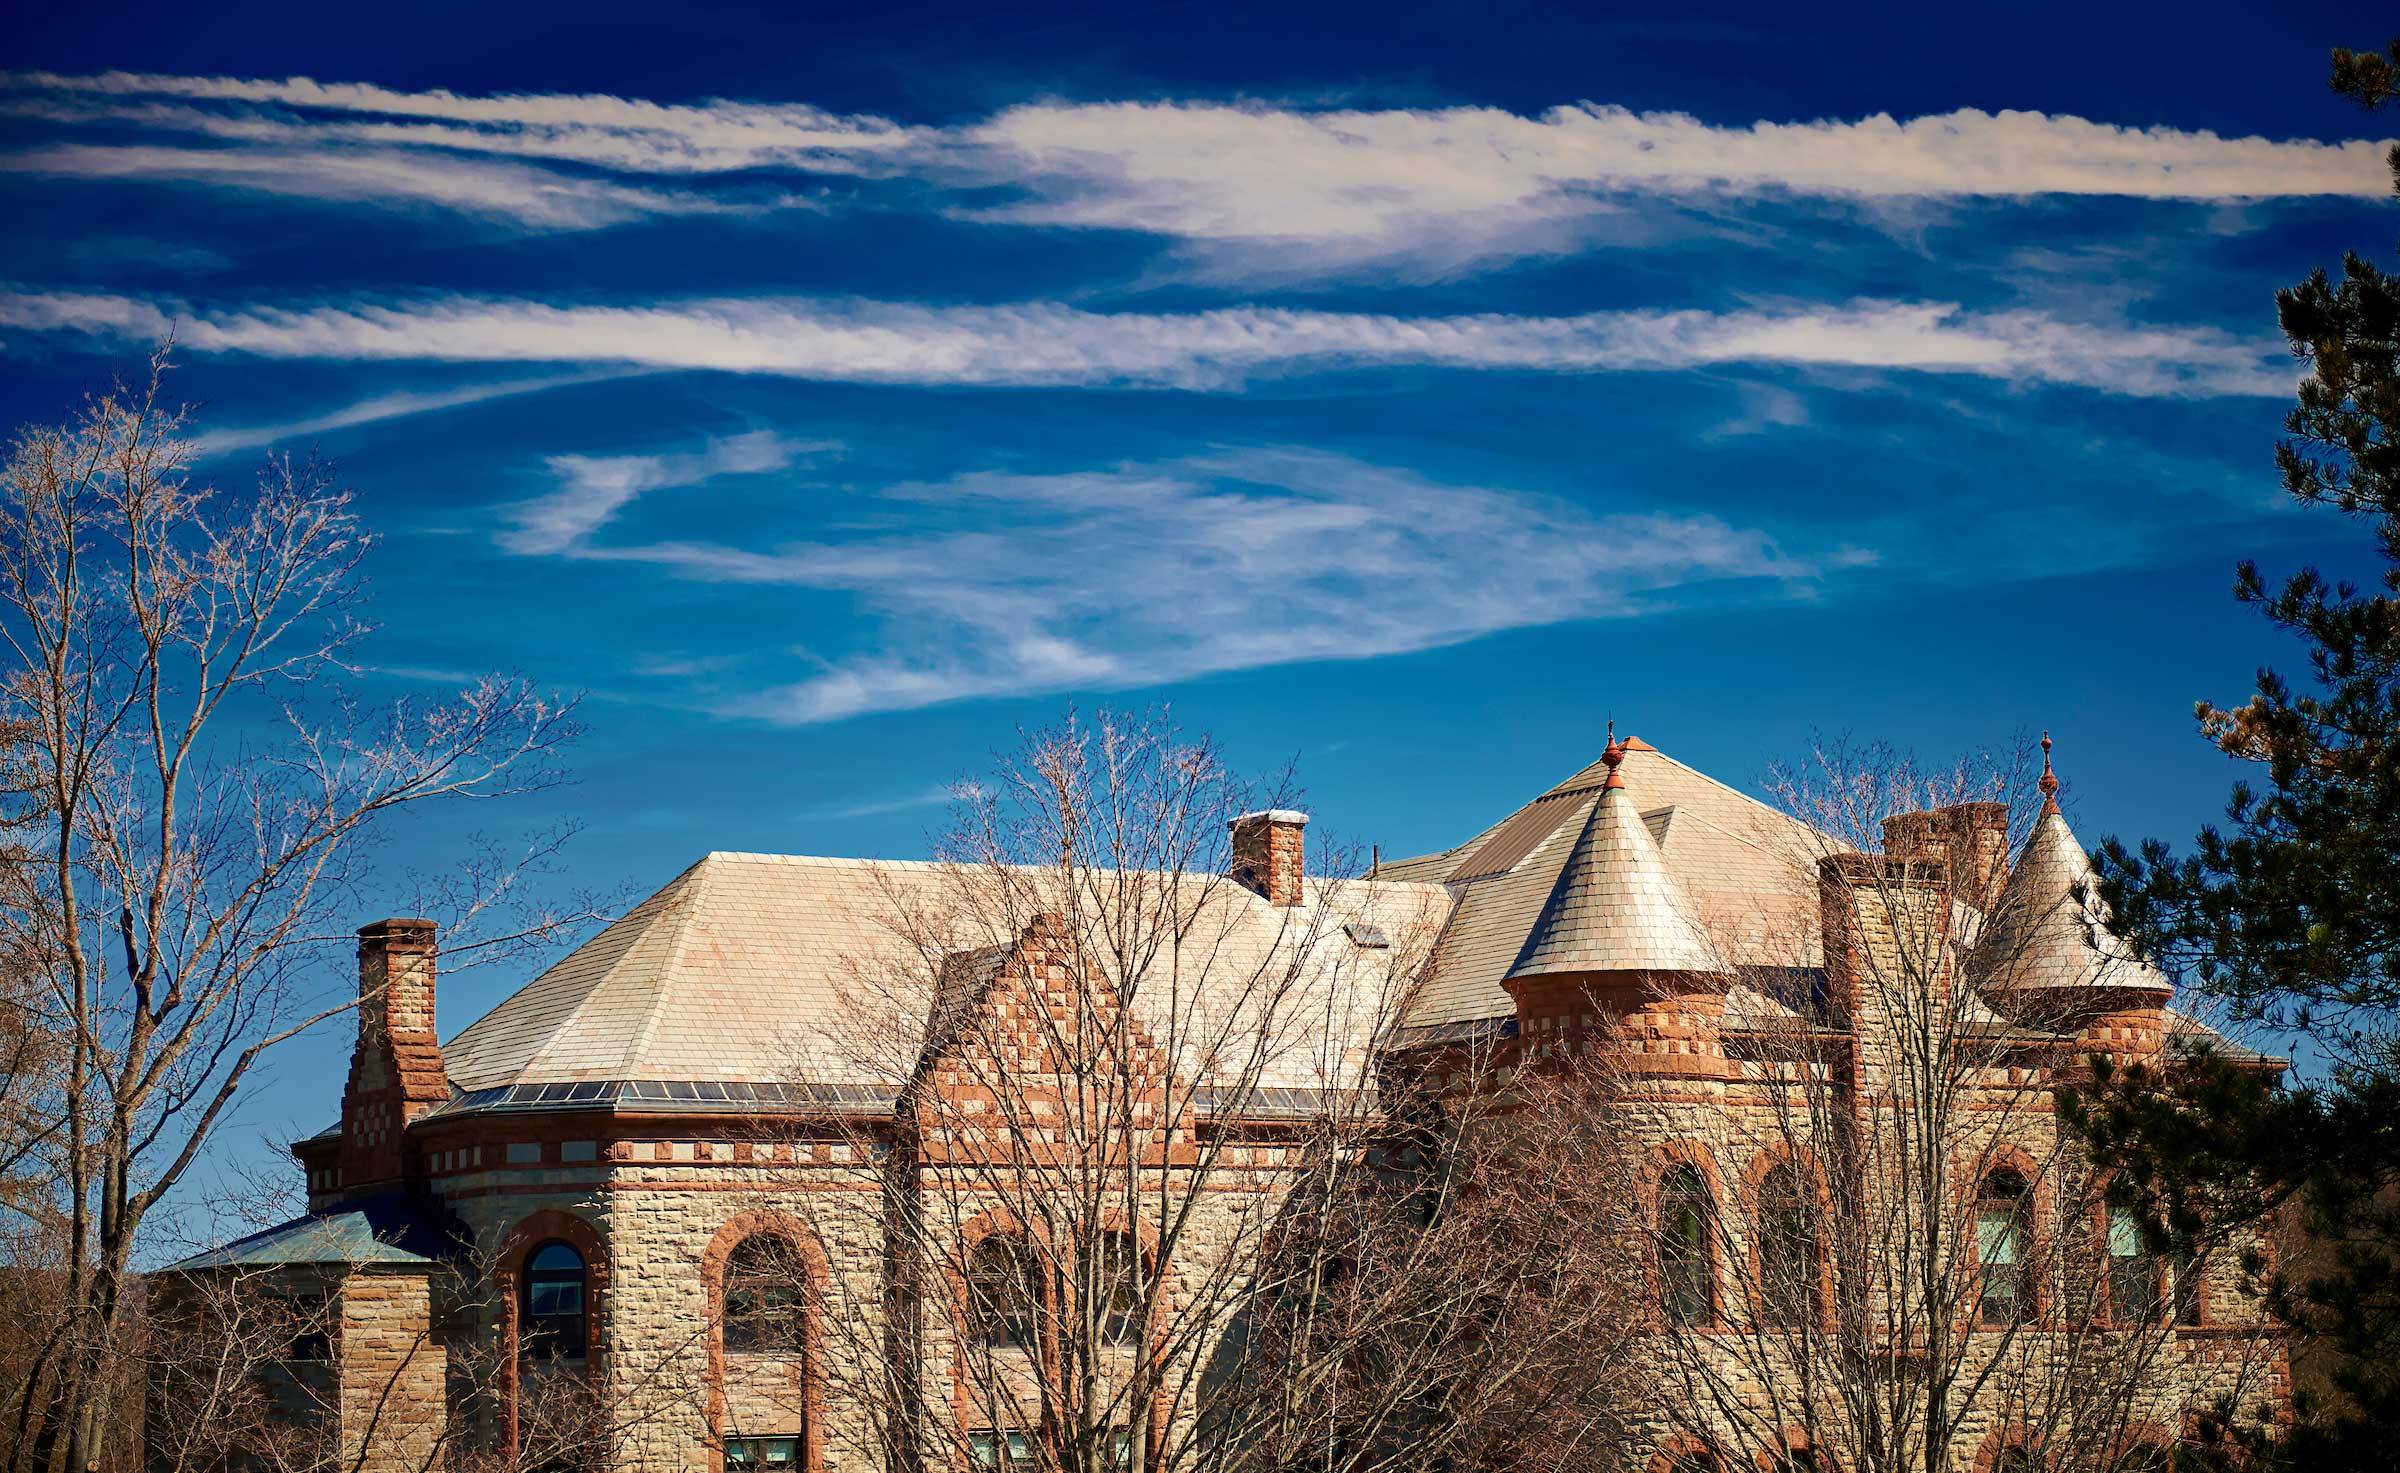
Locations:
{"points": [[390, 1229]]}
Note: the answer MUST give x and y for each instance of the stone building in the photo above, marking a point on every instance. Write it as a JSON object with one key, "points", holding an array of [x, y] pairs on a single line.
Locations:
{"points": [[572, 1187]]}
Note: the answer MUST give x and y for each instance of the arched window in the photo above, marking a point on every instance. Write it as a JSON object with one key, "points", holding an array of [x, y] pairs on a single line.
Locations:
{"points": [[766, 1297], [1002, 1294], [2017, 1458], [1117, 1279], [2132, 1272], [1687, 1287], [1787, 1248], [550, 1303], [2003, 1242]]}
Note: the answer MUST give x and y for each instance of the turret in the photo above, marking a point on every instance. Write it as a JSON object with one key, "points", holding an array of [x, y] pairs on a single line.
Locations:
{"points": [[1616, 959], [2047, 958]]}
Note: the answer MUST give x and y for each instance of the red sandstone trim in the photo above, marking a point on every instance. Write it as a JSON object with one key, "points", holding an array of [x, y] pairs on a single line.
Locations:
{"points": [[738, 1229], [529, 1233], [2013, 1437], [1664, 1158]]}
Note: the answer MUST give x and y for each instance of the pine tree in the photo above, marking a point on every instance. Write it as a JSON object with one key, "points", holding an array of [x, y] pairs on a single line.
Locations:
{"points": [[2290, 913]]}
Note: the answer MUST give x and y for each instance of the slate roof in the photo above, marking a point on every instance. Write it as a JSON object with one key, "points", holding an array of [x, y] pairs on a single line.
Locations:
{"points": [[1746, 872], [2049, 928], [746, 967], [733, 976], [1614, 907], [392, 1229]]}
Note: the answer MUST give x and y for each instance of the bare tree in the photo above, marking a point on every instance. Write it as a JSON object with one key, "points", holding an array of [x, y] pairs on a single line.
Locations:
{"points": [[197, 803], [1901, 1260], [241, 1372], [1452, 1305], [1158, 1191], [283, 1364]]}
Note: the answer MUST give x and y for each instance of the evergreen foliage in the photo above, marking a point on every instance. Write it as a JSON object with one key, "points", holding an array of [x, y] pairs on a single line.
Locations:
{"points": [[2290, 913]]}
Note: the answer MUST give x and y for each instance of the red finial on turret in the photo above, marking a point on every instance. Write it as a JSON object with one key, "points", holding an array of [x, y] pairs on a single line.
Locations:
{"points": [[2049, 782], [1613, 754]]}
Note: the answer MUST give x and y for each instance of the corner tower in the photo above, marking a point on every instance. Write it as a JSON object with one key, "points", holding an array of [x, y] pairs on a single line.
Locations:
{"points": [[2047, 957], [1615, 959]]}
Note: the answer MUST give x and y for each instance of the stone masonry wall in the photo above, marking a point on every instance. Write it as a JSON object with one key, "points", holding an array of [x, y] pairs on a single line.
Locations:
{"points": [[391, 1381]]}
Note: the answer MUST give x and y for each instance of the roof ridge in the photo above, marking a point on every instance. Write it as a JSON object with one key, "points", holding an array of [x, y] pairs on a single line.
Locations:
{"points": [[643, 1036], [1717, 782], [830, 861], [676, 911], [1701, 816]]}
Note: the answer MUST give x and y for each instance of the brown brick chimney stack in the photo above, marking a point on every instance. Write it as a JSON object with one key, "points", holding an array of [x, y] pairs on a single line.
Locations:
{"points": [[396, 1068], [1267, 853]]}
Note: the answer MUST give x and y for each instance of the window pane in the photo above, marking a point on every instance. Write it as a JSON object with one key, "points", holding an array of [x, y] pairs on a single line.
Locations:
{"points": [[1118, 1279], [765, 1298], [551, 1302], [1001, 1296], [1996, 1231], [1686, 1284], [2000, 1232], [1787, 1250], [555, 1255], [2132, 1272]]}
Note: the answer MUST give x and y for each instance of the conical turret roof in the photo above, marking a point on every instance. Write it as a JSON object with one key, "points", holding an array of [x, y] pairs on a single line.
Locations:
{"points": [[1614, 908], [2050, 927]]}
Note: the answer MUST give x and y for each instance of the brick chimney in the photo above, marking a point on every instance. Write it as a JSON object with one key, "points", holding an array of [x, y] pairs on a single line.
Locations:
{"points": [[396, 1067], [1266, 853]]}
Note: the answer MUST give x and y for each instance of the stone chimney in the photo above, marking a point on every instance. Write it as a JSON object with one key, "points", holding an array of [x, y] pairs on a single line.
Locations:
{"points": [[1267, 853], [1886, 921], [1971, 837], [396, 1067]]}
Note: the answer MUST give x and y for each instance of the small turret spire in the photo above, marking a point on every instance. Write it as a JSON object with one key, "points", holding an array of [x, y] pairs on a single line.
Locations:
{"points": [[2049, 783], [1615, 907]]}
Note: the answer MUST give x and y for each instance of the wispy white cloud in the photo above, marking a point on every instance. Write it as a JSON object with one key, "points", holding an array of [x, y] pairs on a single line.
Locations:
{"points": [[997, 584], [520, 193], [933, 797], [1764, 407], [377, 408], [623, 133], [1046, 344], [594, 488], [1453, 186], [654, 666], [423, 674], [1246, 186]]}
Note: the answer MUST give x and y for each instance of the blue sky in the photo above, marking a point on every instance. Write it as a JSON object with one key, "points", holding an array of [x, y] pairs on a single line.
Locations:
{"points": [[1404, 388]]}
